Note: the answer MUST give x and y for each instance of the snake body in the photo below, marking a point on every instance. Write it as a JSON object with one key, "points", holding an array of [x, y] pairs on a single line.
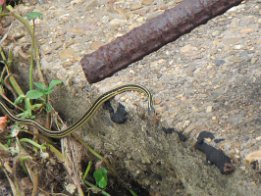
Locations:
{"points": [[95, 106]]}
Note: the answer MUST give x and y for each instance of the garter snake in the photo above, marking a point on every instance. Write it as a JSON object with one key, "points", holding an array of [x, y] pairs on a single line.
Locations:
{"points": [[95, 106]]}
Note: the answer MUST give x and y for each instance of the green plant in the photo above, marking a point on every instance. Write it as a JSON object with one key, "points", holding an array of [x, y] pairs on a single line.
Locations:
{"points": [[35, 54], [101, 178], [35, 58], [33, 15], [41, 94], [42, 90]]}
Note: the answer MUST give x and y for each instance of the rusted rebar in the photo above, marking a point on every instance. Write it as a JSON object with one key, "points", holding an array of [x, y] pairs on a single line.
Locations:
{"points": [[150, 36]]}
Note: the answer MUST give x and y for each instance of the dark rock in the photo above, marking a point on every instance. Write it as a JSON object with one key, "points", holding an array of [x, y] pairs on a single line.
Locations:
{"points": [[216, 157], [120, 116], [181, 136]]}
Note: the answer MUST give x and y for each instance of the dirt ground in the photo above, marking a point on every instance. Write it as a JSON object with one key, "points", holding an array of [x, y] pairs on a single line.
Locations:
{"points": [[208, 79]]}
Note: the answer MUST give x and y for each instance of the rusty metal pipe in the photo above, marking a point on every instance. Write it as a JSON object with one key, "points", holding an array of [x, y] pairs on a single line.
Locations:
{"points": [[150, 36]]}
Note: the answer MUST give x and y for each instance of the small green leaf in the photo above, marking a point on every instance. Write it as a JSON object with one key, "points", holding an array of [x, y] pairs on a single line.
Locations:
{"points": [[36, 106], [34, 94], [1, 8], [34, 15], [101, 178], [48, 91], [19, 99], [40, 85], [54, 83]]}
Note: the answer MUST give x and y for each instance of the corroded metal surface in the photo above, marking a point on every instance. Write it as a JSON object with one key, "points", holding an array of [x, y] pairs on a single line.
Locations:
{"points": [[150, 36]]}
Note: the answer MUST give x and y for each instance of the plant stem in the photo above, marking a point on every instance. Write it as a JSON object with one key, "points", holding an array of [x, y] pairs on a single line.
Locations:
{"points": [[31, 68], [12, 80], [32, 58], [35, 49], [4, 14], [14, 83], [92, 186], [87, 170], [21, 19]]}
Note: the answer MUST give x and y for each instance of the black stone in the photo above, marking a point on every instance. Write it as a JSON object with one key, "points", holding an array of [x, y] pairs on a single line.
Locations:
{"points": [[120, 116], [216, 157], [181, 136]]}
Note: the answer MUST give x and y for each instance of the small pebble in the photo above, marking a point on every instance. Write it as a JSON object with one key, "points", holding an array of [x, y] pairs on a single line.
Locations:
{"points": [[238, 47], [214, 118], [147, 2], [209, 109], [71, 188], [219, 62], [258, 138], [186, 123], [118, 22]]}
